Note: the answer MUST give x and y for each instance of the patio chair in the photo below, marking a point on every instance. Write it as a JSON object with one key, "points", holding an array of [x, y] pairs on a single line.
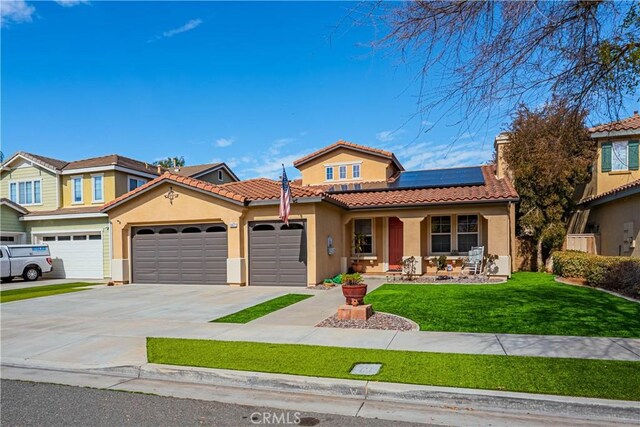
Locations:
{"points": [[473, 262]]}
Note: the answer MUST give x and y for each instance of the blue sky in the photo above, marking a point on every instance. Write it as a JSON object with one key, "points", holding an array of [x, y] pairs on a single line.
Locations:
{"points": [[251, 84]]}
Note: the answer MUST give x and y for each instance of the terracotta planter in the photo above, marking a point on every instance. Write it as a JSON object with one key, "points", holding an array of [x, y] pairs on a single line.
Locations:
{"points": [[357, 267], [354, 292]]}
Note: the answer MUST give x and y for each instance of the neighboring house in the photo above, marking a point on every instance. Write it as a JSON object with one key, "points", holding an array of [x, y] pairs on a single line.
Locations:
{"points": [[608, 221], [56, 202], [176, 229]]}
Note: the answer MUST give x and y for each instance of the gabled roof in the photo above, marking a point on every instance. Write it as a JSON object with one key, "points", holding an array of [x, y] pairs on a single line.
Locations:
{"points": [[492, 190], [180, 180], [196, 171], [351, 146], [268, 189], [628, 124], [113, 160], [47, 162], [13, 205], [615, 193]]}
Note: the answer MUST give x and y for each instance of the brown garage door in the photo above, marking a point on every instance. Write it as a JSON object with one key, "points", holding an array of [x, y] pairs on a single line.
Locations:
{"points": [[189, 254], [278, 253]]}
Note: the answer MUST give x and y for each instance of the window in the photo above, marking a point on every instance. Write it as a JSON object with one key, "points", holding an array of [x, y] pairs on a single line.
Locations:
{"points": [[26, 192], [220, 176], [364, 227], [467, 232], [76, 189], [49, 238], [342, 172], [191, 230], [7, 239], [218, 229], [344, 187], [64, 238], [97, 188], [441, 234], [329, 173], [79, 237], [620, 156], [355, 171], [95, 237], [135, 183]]}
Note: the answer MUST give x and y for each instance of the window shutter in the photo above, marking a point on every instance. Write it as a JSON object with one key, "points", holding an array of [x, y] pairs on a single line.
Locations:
{"points": [[633, 155], [606, 157]]}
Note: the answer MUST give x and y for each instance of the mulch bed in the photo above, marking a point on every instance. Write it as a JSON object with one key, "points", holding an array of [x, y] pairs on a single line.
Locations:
{"points": [[376, 321]]}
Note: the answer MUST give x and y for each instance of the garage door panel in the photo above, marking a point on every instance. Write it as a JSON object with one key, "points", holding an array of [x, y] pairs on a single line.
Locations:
{"points": [[277, 256], [191, 257], [75, 259]]}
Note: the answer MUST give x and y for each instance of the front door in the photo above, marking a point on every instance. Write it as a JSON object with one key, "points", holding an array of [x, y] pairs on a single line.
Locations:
{"points": [[395, 244]]}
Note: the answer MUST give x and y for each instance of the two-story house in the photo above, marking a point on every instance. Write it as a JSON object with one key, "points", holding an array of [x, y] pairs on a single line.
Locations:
{"points": [[608, 221], [181, 230], [45, 200]]}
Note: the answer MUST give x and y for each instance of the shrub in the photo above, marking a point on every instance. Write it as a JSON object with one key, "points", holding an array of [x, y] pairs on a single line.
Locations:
{"points": [[620, 274], [351, 279]]}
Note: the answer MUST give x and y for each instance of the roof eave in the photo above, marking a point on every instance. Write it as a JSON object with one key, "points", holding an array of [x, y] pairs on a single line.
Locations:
{"points": [[611, 197], [615, 133], [443, 203]]}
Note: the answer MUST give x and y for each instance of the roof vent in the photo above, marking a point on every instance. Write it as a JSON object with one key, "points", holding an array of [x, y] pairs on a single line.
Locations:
{"points": [[635, 113]]}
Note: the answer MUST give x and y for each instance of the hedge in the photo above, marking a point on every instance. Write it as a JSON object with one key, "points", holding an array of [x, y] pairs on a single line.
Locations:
{"points": [[620, 274]]}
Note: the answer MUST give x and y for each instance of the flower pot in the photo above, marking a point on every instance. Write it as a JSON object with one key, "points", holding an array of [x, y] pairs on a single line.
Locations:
{"points": [[354, 292], [357, 267]]}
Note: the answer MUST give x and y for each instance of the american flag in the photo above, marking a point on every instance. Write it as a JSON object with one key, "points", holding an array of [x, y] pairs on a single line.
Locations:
{"points": [[285, 198]]}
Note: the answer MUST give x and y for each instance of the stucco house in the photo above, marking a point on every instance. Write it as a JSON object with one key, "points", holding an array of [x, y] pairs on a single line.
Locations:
{"points": [[177, 229], [45, 200], [608, 219]]}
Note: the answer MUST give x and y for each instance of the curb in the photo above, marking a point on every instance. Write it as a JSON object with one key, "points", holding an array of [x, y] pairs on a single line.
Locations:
{"points": [[419, 396]]}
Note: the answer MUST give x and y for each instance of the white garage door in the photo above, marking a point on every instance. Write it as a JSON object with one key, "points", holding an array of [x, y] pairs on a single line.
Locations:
{"points": [[75, 256]]}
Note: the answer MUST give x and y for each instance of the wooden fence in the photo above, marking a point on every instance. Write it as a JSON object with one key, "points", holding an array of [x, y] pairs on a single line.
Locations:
{"points": [[585, 242]]}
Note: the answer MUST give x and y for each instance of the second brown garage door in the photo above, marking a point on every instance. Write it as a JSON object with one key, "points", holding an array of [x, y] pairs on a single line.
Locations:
{"points": [[278, 253], [189, 254]]}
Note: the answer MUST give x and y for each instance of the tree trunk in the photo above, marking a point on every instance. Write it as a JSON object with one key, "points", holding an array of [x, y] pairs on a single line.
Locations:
{"points": [[539, 262]]}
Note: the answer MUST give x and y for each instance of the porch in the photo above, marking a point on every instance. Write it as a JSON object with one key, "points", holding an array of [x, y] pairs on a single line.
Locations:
{"points": [[392, 236]]}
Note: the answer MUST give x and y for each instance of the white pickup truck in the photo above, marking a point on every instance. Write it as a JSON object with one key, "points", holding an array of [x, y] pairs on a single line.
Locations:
{"points": [[28, 261]]}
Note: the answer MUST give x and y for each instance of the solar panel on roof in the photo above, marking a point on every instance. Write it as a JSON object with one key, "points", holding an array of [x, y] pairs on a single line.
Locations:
{"points": [[455, 177]]}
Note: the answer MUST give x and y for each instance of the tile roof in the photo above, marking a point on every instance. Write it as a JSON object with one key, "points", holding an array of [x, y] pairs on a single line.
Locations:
{"points": [[114, 160], [627, 124], [628, 186], [268, 189], [190, 182], [41, 160], [66, 211], [493, 189], [344, 144], [194, 169], [14, 205]]}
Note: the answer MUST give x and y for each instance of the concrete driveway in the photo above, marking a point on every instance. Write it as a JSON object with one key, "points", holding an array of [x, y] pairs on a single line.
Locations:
{"points": [[106, 326]]}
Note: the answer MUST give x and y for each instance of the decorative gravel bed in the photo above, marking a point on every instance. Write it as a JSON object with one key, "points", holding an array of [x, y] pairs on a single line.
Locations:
{"points": [[376, 321], [446, 279]]}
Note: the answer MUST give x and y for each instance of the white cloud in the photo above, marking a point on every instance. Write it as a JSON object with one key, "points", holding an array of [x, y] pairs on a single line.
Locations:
{"points": [[385, 136], [71, 3], [426, 155], [224, 142], [194, 23], [16, 11]]}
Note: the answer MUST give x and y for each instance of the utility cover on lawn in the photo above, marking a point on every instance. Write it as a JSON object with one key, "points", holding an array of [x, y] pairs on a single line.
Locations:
{"points": [[366, 369]]}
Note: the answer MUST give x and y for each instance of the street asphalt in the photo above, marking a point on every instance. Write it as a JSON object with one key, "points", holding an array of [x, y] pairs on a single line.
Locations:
{"points": [[39, 404]]}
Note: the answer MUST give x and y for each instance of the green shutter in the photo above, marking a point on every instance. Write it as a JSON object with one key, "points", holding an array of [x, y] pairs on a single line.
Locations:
{"points": [[633, 155], [606, 157]]}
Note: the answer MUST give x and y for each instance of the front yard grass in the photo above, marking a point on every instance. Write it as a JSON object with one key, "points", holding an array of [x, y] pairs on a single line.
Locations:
{"points": [[571, 377], [529, 303], [42, 291], [262, 309]]}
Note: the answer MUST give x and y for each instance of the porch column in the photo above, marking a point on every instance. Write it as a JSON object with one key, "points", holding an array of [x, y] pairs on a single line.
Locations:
{"points": [[412, 240], [499, 241]]}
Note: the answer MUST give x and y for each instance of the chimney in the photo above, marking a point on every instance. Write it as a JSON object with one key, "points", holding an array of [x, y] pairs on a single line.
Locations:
{"points": [[500, 143], [635, 113], [159, 170]]}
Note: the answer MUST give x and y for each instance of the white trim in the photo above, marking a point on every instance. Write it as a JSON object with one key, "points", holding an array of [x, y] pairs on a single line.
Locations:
{"points": [[73, 190], [340, 169], [326, 175], [373, 238], [353, 167], [110, 168], [348, 180], [64, 216], [477, 233], [93, 188], [68, 232], [130, 177], [33, 191], [450, 234], [352, 162]]}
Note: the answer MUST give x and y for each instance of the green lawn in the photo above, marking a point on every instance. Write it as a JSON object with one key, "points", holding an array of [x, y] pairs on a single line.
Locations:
{"points": [[529, 303], [571, 377], [262, 309], [42, 291]]}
